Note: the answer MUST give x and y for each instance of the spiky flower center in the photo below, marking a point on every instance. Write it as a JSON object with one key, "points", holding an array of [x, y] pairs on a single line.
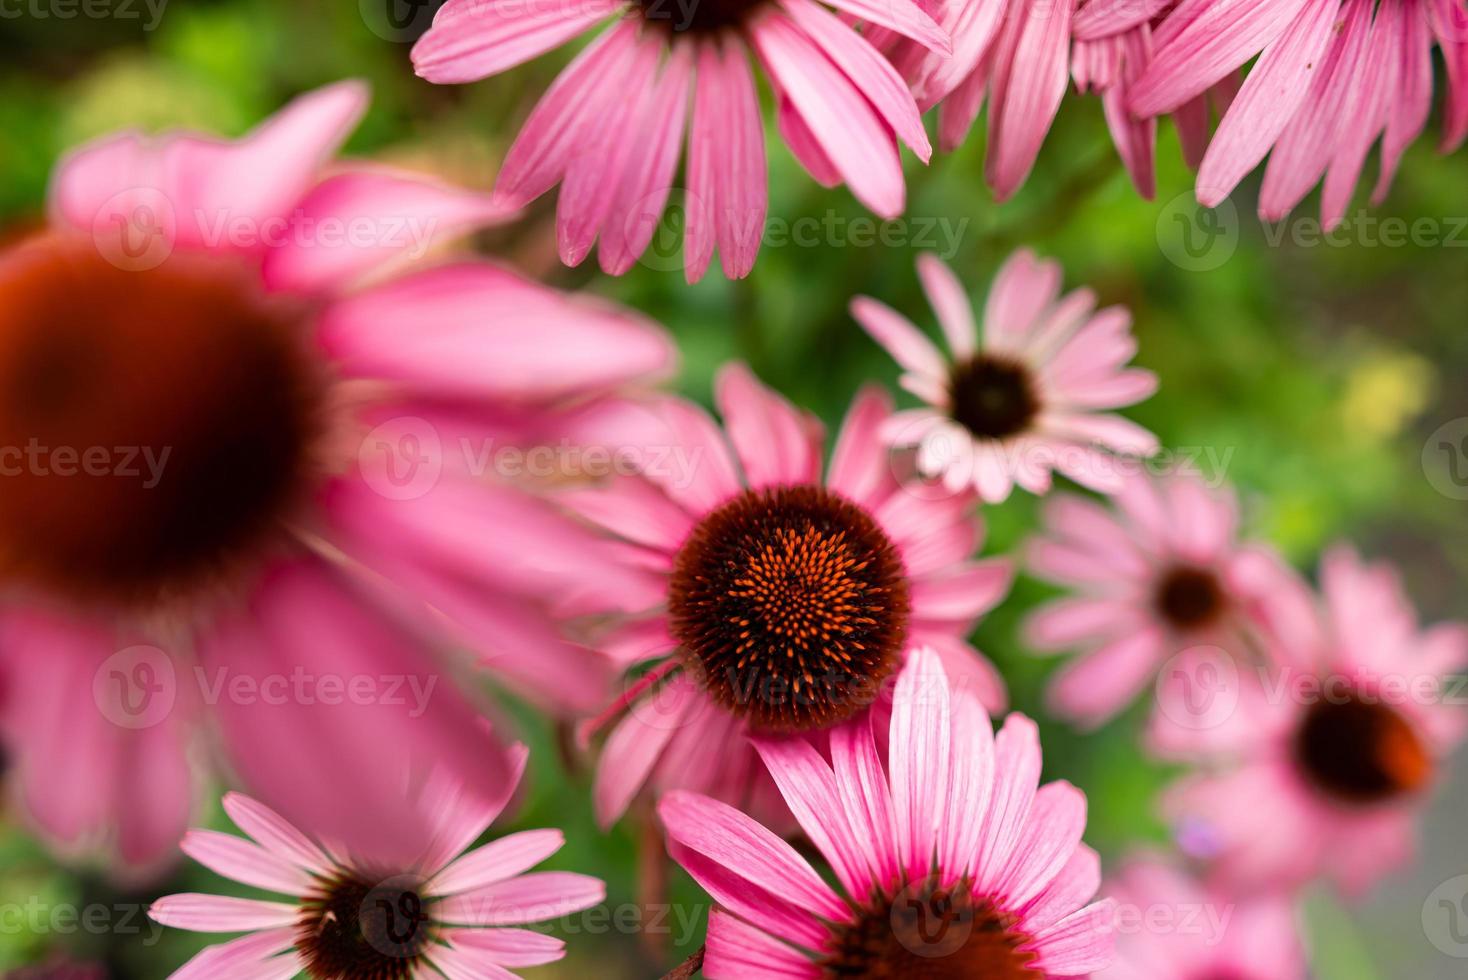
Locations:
{"points": [[356, 928], [993, 397], [930, 932], [1361, 751], [153, 424], [1188, 597], [791, 606]]}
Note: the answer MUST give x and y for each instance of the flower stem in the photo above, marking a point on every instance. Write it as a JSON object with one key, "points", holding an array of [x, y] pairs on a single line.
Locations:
{"points": [[688, 967]]}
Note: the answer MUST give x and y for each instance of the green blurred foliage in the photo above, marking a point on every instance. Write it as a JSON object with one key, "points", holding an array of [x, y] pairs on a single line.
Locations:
{"points": [[1315, 373]]}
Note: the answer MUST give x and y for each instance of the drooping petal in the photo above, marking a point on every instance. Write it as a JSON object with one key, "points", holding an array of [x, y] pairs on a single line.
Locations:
{"points": [[873, 75], [641, 192], [561, 122], [365, 219], [482, 331], [1269, 99], [727, 193], [473, 39], [1026, 91], [1212, 39], [309, 670], [843, 122]]}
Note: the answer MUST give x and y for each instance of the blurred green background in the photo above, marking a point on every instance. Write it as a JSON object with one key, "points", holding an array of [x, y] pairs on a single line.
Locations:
{"points": [[1312, 374]]}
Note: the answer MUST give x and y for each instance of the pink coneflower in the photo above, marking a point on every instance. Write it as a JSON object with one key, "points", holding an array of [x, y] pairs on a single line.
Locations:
{"points": [[1332, 77], [1171, 927], [1159, 576], [365, 915], [950, 862], [776, 599], [1332, 779], [1025, 400], [611, 128], [194, 513]]}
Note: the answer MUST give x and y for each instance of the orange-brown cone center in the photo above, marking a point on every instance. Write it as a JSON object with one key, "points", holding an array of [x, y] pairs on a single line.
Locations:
{"points": [[153, 424]]}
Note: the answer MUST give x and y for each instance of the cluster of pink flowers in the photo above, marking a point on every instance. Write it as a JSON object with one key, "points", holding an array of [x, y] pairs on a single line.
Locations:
{"points": [[304, 598], [1330, 80], [1319, 724]]}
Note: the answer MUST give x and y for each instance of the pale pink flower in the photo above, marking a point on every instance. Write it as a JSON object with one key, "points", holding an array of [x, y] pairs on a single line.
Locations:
{"points": [[770, 597], [948, 860], [200, 304], [611, 128], [1172, 927], [1332, 77], [446, 913], [1027, 398], [1332, 779], [1160, 575]]}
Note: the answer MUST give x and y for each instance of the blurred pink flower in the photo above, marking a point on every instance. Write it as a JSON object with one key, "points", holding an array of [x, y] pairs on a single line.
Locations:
{"points": [[199, 306], [1158, 576], [1332, 77], [1331, 779], [1026, 398], [1171, 927], [353, 914], [769, 597], [950, 862], [610, 129]]}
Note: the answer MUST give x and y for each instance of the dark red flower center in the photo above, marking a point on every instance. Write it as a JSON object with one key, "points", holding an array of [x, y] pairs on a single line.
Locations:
{"points": [[993, 397], [698, 17], [927, 932], [1188, 597], [1361, 751], [364, 930], [791, 607], [153, 424]]}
